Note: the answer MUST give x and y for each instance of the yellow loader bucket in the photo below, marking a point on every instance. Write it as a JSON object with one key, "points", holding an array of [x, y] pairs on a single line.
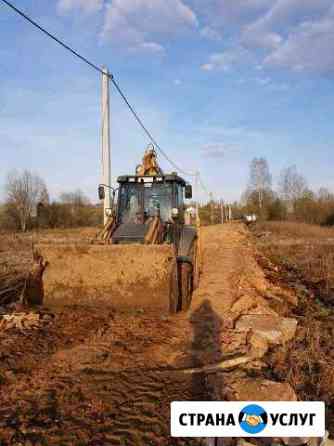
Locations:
{"points": [[120, 276]]}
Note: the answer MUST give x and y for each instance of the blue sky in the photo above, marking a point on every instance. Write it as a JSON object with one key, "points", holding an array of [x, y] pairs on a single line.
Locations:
{"points": [[217, 82]]}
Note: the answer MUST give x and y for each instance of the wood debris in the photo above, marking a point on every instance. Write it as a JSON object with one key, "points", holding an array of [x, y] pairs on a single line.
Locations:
{"points": [[22, 321], [12, 285]]}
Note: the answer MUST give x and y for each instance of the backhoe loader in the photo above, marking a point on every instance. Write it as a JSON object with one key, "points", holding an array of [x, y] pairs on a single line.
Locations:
{"points": [[145, 257]]}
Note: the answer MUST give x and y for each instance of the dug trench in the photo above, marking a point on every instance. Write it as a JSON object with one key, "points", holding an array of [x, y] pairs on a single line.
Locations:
{"points": [[98, 377]]}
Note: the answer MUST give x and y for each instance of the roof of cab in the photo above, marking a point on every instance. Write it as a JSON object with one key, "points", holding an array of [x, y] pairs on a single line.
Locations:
{"points": [[173, 177]]}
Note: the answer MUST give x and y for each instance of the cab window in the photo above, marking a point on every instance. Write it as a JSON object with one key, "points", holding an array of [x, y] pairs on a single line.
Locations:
{"points": [[180, 195]]}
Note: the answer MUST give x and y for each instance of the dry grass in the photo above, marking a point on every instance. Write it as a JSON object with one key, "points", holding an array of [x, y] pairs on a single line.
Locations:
{"points": [[309, 249], [297, 230], [304, 258], [308, 362]]}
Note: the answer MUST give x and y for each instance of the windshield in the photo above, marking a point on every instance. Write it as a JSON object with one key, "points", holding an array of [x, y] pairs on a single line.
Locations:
{"points": [[158, 196], [138, 202], [129, 199]]}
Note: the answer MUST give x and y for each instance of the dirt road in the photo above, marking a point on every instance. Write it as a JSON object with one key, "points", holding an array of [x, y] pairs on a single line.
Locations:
{"points": [[106, 378]]}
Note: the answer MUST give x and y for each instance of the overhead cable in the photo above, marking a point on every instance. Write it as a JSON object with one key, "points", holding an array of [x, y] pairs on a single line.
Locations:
{"points": [[103, 72]]}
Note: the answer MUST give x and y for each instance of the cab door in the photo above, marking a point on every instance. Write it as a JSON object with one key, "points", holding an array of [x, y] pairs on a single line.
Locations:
{"points": [[180, 201]]}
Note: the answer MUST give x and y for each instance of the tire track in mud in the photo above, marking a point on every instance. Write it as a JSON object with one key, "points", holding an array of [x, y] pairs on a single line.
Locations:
{"points": [[112, 389], [94, 408], [141, 402]]}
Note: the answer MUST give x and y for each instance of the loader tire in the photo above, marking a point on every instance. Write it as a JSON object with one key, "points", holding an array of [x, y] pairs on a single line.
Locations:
{"points": [[174, 289], [185, 286], [196, 265]]}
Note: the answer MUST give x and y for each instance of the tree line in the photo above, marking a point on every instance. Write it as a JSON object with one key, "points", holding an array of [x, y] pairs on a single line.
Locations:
{"points": [[27, 205], [292, 199]]}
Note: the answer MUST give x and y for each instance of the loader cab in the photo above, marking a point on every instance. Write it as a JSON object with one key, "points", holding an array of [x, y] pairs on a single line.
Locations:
{"points": [[141, 198]]}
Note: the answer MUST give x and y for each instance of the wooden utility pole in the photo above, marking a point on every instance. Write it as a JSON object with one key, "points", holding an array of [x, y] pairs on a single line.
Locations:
{"points": [[197, 197], [106, 147], [230, 212], [198, 227]]}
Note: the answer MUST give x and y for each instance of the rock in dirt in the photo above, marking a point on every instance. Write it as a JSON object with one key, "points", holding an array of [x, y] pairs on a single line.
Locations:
{"points": [[259, 345], [307, 441], [275, 329], [242, 442], [251, 389], [244, 306]]}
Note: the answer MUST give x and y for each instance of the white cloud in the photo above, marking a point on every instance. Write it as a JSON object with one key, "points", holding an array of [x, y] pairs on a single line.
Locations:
{"points": [[219, 150], [210, 33], [293, 34], [207, 67], [280, 87], [225, 13], [87, 6], [225, 60], [252, 36], [149, 47], [263, 81], [288, 12], [138, 23], [214, 151], [308, 48], [268, 30]]}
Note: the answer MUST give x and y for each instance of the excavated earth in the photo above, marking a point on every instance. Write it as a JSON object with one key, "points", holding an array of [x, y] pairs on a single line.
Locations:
{"points": [[104, 377]]}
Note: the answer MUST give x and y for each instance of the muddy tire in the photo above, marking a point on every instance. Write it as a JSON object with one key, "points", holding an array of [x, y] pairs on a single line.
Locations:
{"points": [[194, 256], [174, 289], [185, 286], [196, 265]]}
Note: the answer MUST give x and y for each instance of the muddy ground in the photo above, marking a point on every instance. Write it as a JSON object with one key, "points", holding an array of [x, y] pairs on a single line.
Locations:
{"points": [[105, 377]]}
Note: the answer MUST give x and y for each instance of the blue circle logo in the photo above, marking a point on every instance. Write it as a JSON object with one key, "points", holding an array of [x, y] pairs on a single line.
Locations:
{"points": [[253, 419]]}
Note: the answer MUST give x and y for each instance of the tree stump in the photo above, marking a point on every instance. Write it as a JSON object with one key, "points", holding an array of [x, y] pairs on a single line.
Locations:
{"points": [[34, 291]]}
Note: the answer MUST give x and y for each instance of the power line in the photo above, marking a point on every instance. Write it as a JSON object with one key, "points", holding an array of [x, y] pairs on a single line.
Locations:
{"points": [[22, 14], [203, 185], [101, 71], [148, 133]]}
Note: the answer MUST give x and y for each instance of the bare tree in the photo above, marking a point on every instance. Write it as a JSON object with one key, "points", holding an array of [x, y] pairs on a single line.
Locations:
{"points": [[75, 200], [259, 179], [324, 195], [24, 191], [292, 185], [76, 205]]}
